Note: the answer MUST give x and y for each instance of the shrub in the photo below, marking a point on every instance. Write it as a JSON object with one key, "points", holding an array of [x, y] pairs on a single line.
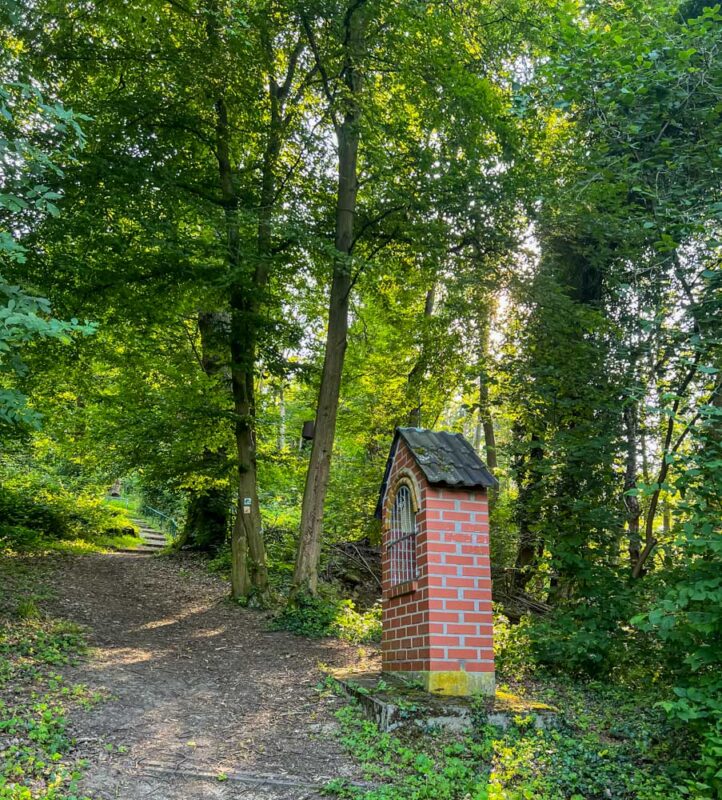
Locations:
{"points": [[328, 615], [512, 647], [31, 515]]}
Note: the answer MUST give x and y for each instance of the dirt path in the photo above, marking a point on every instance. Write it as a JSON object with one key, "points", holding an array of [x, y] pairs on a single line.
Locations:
{"points": [[200, 688]]}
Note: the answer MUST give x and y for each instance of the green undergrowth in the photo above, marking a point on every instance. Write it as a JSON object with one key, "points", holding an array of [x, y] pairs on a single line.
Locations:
{"points": [[97, 544], [35, 517], [329, 615], [37, 759], [605, 745]]}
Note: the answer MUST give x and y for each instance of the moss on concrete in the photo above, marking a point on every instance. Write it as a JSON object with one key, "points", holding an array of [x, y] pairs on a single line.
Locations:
{"points": [[394, 700], [459, 684]]}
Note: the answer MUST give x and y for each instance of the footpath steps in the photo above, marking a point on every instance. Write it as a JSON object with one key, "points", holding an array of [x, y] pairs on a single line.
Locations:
{"points": [[153, 540]]}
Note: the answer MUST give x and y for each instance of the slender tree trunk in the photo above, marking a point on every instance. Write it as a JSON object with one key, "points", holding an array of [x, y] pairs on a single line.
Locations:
{"points": [[478, 433], [314, 495], [668, 450], [487, 423], [282, 417], [631, 502], [247, 536], [529, 549], [305, 576], [643, 447], [414, 379], [667, 534]]}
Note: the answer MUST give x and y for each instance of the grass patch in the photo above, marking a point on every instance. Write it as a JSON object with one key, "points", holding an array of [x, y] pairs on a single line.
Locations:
{"points": [[98, 544], [39, 545], [131, 505], [45, 519]]}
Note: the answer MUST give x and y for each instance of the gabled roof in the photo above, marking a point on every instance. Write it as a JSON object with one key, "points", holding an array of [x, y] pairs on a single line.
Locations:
{"points": [[446, 459]]}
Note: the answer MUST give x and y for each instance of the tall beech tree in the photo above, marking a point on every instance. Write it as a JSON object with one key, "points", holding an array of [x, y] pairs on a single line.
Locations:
{"points": [[217, 157], [345, 112], [375, 63]]}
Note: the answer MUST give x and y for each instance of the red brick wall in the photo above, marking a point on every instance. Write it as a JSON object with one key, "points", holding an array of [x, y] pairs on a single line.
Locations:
{"points": [[443, 622], [405, 639]]}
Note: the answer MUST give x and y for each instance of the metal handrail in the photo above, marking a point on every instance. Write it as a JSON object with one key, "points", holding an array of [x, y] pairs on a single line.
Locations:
{"points": [[164, 519]]}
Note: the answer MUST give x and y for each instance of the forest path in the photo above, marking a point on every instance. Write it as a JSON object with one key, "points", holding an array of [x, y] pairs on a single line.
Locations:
{"points": [[205, 701]]}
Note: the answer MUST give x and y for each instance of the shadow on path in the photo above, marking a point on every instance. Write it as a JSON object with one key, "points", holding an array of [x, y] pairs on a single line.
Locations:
{"points": [[199, 687]]}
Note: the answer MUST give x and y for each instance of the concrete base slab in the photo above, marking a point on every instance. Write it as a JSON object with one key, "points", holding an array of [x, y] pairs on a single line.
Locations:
{"points": [[393, 702]]}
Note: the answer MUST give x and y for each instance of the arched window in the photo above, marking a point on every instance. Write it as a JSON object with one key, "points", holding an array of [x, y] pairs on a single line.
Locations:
{"points": [[402, 537]]}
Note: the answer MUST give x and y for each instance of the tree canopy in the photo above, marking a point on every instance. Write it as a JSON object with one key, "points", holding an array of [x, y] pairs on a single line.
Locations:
{"points": [[221, 220]]}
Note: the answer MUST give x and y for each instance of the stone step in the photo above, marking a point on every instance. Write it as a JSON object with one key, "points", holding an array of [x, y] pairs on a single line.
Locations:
{"points": [[152, 539]]}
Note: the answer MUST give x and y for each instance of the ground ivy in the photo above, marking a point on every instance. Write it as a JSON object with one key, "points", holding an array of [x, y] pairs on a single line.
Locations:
{"points": [[37, 761]]}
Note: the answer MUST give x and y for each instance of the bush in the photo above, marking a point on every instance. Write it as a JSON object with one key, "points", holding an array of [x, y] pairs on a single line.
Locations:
{"points": [[512, 648], [31, 515], [329, 615], [594, 638]]}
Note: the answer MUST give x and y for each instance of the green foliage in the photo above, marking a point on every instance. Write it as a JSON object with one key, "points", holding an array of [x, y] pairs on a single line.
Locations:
{"points": [[513, 657], [327, 615], [37, 751], [29, 128], [688, 617], [441, 770], [604, 746], [35, 516], [581, 640]]}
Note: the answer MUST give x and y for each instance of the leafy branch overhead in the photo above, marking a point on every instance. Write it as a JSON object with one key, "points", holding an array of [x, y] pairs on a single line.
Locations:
{"points": [[292, 227]]}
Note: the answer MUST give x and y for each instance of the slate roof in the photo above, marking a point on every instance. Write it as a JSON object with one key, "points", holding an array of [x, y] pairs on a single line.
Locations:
{"points": [[446, 459]]}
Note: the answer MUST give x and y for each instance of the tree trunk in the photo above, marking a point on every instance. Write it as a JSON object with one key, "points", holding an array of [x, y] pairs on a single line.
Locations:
{"points": [[282, 417], [530, 549], [240, 579], [631, 502], [667, 534], [247, 535], [305, 578], [487, 423], [247, 526], [416, 375]]}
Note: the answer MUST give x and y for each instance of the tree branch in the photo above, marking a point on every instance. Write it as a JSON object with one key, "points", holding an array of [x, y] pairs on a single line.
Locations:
{"points": [[325, 82]]}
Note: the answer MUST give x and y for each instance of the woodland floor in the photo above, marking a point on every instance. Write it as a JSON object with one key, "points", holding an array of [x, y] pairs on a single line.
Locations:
{"points": [[207, 701]]}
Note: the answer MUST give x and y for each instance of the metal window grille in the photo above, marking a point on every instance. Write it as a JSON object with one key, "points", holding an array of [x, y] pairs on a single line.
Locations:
{"points": [[402, 538]]}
